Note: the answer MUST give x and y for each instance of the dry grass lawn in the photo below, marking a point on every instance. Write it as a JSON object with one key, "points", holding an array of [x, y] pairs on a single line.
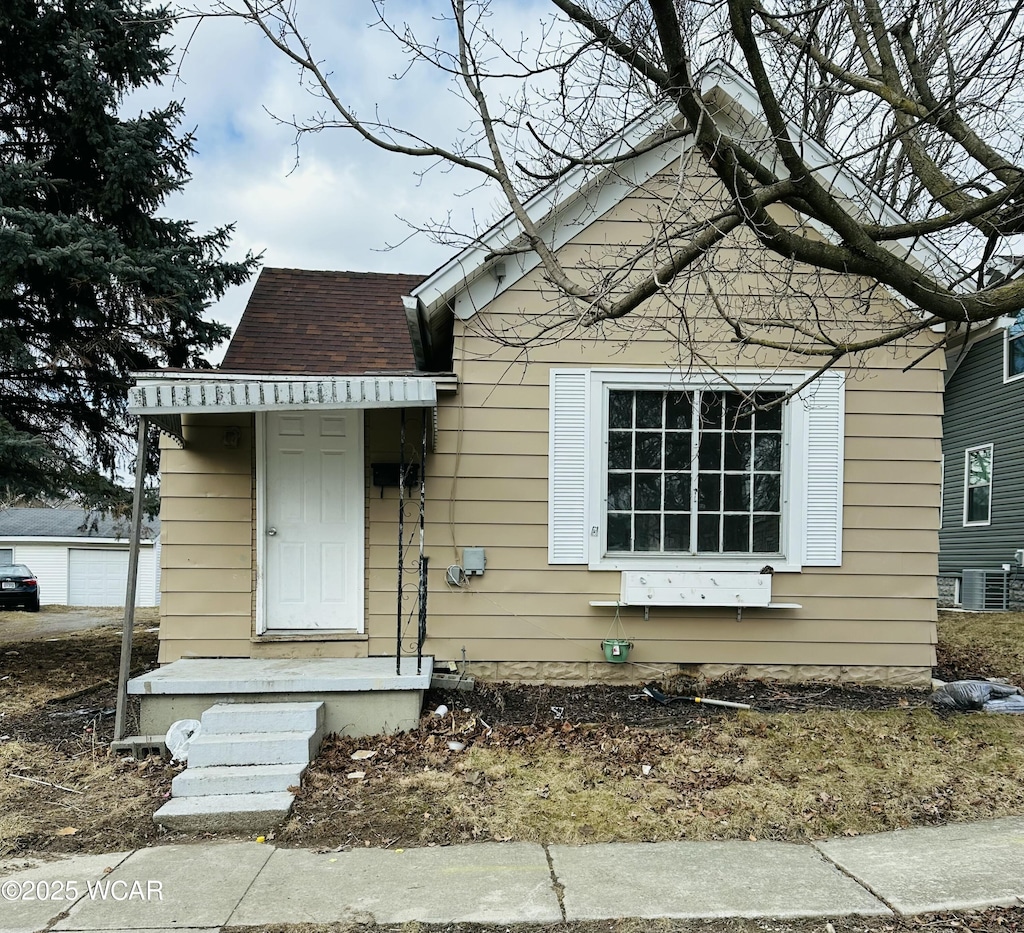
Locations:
{"points": [[60, 790], [724, 775], [765, 776], [784, 776], [44, 670], [988, 644], [87, 801]]}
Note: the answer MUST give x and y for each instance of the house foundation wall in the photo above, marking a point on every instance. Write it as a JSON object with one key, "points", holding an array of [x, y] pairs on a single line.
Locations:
{"points": [[946, 592], [586, 672]]}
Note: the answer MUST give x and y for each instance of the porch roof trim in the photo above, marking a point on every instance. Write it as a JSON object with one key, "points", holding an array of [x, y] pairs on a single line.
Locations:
{"points": [[155, 396]]}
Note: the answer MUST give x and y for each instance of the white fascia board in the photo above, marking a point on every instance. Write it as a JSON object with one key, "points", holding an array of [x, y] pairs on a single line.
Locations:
{"points": [[72, 542], [569, 220], [567, 206], [561, 210], [161, 395]]}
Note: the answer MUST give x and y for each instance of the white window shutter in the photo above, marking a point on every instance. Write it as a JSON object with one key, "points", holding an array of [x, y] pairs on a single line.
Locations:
{"points": [[826, 428], [567, 467]]}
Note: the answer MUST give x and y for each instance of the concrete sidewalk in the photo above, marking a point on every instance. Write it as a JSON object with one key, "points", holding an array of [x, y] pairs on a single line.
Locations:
{"points": [[212, 886]]}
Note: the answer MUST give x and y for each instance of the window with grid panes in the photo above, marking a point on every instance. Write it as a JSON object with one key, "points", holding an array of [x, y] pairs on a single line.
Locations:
{"points": [[694, 472]]}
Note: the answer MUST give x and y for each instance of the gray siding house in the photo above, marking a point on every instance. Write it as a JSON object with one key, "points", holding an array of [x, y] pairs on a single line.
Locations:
{"points": [[982, 518]]}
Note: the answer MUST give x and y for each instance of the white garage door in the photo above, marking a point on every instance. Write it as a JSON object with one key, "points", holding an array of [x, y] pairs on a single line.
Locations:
{"points": [[98, 578]]}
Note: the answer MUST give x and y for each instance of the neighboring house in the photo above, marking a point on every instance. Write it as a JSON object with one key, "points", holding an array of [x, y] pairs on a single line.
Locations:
{"points": [[597, 486], [983, 471], [80, 557]]}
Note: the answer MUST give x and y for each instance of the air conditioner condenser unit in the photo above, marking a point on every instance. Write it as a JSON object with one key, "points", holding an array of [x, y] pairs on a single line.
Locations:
{"points": [[985, 590]]}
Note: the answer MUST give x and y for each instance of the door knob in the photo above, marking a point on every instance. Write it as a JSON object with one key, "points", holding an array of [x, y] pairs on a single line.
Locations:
{"points": [[271, 531]]}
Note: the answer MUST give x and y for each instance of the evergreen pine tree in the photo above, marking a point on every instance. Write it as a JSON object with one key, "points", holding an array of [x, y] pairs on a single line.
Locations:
{"points": [[94, 284]]}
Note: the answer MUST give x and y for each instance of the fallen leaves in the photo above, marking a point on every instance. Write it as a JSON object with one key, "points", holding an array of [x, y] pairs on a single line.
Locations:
{"points": [[792, 776]]}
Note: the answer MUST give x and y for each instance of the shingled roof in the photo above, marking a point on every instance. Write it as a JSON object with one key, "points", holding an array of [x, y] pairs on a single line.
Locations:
{"points": [[339, 323], [69, 523]]}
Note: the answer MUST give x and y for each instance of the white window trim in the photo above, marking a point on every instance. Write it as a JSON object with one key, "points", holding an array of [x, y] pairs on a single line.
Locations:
{"points": [[991, 483], [793, 478], [814, 476], [1007, 378]]}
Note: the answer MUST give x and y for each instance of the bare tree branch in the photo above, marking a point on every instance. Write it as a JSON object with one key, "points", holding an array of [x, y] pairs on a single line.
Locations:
{"points": [[877, 132]]}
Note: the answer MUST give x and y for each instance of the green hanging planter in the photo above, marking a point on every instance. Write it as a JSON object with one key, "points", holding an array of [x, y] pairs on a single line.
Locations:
{"points": [[616, 650]]}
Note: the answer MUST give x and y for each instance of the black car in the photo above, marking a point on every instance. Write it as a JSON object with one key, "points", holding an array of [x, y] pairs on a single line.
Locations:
{"points": [[19, 587]]}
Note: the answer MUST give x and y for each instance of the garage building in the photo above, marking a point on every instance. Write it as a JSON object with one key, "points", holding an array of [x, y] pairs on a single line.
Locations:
{"points": [[80, 557]]}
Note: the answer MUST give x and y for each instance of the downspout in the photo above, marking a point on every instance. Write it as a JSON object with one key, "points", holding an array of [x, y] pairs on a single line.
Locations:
{"points": [[419, 335], [133, 576]]}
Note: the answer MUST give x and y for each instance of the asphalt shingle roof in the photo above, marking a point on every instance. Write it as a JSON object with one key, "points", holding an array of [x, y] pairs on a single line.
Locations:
{"points": [[339, 323], [69, 523]]}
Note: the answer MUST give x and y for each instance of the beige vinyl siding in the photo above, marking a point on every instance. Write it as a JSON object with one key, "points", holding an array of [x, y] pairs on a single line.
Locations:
{"points": [[488, 487], [876, 609], [206, 529], [382, 548]]}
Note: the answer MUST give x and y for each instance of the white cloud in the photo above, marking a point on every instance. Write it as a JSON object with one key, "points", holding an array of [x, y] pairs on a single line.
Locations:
{"points": [[338, 207]]}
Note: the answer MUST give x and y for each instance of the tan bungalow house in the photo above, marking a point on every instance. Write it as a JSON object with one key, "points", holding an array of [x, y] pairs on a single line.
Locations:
{"points": [[604, 505]]}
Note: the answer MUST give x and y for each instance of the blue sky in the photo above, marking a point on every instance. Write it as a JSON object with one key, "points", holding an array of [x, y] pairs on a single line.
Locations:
{"points": [[338, 206]]}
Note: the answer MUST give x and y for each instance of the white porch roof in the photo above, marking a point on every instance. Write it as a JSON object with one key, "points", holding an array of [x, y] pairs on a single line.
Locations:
{"points": [[166, 394]]}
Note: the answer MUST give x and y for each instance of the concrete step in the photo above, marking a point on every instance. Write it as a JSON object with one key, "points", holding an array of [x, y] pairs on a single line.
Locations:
{"points": [[236, 779], [227, 718], [225, 812], [249, 748]]}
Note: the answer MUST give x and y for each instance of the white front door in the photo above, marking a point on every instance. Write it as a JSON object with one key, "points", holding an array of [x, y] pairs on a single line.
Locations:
{"points": [[313, 521]]}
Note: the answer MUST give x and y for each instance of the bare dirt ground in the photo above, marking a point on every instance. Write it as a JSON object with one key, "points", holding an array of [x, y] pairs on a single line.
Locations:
{"points": [[52, 621], [548, 764]]}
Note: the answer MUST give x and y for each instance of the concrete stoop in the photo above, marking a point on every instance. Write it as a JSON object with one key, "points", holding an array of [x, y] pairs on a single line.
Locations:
{"points": [[241, 766], [363, 696]]}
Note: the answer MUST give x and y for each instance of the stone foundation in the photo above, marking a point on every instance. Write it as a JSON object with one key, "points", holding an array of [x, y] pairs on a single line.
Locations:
{"points": [[564, 673], [1016, 594], [947, 592]]}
